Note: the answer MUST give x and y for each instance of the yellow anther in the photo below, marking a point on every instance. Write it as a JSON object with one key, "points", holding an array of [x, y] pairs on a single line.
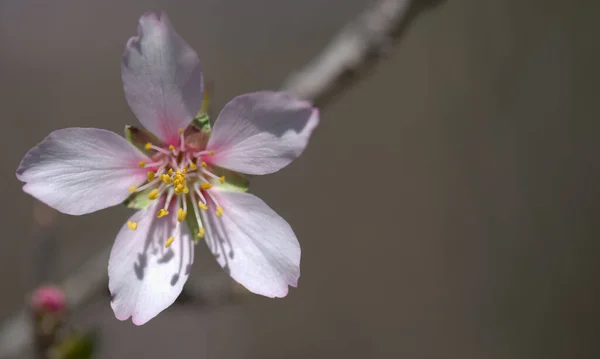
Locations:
{"points": [[203, 206], [186, 190], [171, 147], [148, 146], [180, 131], [161, 213], [185, 169], [179, 189], [169, 241], [211, 152], [222, 179], [206, 186], [203, 164], [132, 225], [219, 211], [151, 176], [142, 164], [132, 188], [165, 178], [153, 194], [181, 214], [193, 166], [201, 233], [170, 171]]}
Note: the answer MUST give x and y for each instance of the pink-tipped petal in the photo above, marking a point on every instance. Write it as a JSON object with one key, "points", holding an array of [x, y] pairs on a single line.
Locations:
{"points": [[81, 170], [254, 244], [162, 78], [145, 277], [262, 132]]}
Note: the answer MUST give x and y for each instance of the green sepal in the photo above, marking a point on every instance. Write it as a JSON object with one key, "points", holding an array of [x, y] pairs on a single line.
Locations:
{"points": [[233, 181], [202, 119], [190, 219], [202, 123], [139, 137], [139, 200], [75, 346]]}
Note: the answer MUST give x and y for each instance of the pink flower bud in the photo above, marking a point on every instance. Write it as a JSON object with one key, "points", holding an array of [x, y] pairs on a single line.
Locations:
{"points": [[48, 299]]}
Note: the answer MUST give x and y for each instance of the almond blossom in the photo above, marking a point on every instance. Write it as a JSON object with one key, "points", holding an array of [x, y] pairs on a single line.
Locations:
{"points": [[186, 179]]}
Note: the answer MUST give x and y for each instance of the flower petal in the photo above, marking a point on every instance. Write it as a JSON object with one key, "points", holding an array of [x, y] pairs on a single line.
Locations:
{"points": [[144, 276], [81, 170], [254, 244], [162, 78], [262, 132]]}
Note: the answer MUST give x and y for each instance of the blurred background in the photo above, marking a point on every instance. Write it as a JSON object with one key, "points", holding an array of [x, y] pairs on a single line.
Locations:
{"points": [[447, 205]]}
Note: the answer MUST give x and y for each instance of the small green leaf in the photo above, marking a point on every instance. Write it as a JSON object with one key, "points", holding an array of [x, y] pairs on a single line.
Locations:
{"points": [[139, 137], [138, 200]]}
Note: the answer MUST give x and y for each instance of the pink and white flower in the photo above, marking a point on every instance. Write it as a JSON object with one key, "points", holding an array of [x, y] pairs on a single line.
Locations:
{"points": [[184, 178]]}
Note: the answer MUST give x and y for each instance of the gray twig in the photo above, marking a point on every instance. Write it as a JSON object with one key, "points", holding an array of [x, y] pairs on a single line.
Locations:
{"points": [[357, 41]]}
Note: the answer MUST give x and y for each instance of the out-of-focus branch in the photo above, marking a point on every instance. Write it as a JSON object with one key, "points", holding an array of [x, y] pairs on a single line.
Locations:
{"points": [[16, 333], [352, 50], [370, 33]]}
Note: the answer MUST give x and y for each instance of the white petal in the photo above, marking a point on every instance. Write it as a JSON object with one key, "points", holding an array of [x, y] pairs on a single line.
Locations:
{"points": [[162, 78], [81, 170], [254, 244], [145, 278], [262, 132]]}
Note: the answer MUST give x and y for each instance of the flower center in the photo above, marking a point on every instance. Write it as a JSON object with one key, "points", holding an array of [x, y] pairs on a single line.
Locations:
{"points": [[180, 174]]}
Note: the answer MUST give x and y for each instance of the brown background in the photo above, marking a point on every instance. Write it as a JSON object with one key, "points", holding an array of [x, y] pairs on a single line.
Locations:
{"points": [[447, 205]]}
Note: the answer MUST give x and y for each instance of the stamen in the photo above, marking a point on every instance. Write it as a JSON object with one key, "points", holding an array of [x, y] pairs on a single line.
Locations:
{"points": [[206, 186], [150, 146], [149, 184], [153, 194], [197, 214], [151, 175], [161, 213], [174, 163], [182, 142], [165, 178], [184, 203], [205, 152], [210, 174], [179, 183], [168, 201], [143, 164], [169, 241], [132, 225], [181, 214], [219, 211], [203, 164], [193, 166], [132, 189], [202, 202]]}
